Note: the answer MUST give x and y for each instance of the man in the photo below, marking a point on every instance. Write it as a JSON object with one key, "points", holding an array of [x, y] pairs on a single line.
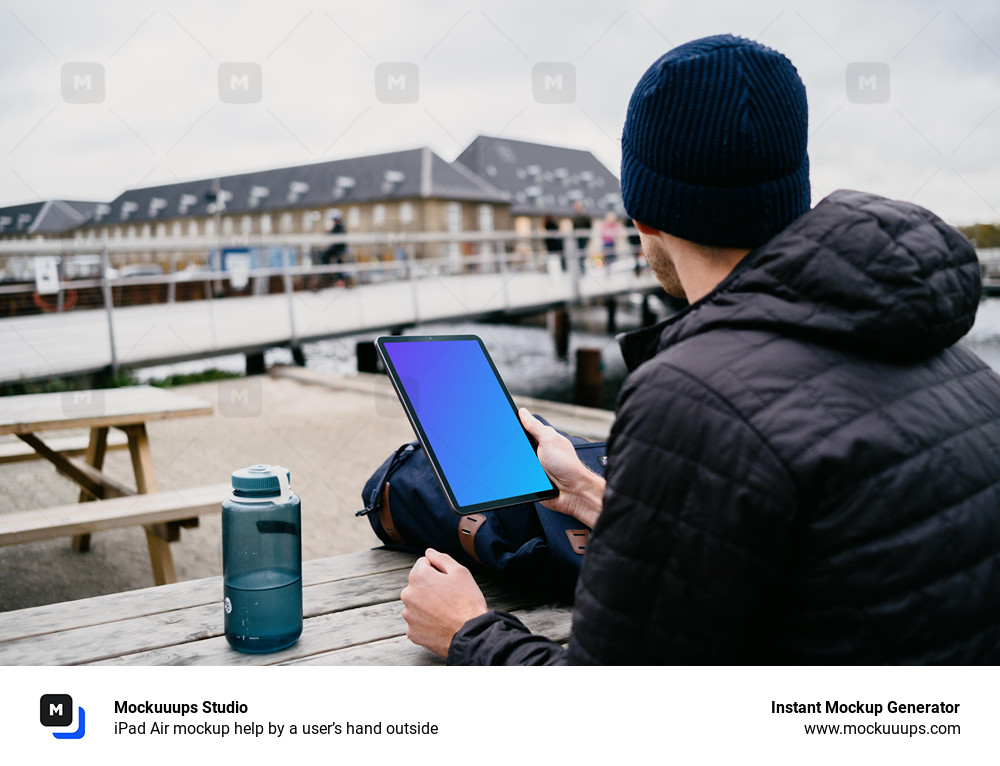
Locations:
{"points": [[804, 467]]}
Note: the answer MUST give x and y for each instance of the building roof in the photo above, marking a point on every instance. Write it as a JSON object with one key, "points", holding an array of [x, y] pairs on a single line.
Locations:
{"points": [[544, 179], [48, 217], [408, 174]]}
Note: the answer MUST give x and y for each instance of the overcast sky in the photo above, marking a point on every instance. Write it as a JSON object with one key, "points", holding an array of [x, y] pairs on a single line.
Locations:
{"points": [[181, 98]]}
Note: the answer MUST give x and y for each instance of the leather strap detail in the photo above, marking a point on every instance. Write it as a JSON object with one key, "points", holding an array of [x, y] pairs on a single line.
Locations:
{"points": [[467, 529], [578, 539], [385, 518]]}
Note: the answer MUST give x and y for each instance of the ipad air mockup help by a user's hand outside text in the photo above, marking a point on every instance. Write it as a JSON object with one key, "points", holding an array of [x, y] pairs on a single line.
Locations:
{"points": [[466, 421]]}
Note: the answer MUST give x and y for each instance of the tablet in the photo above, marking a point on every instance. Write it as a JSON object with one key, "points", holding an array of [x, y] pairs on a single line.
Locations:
{"points": [[466, 421]]}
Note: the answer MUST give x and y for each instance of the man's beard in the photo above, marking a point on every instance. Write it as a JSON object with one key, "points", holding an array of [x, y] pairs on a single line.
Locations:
{"points": [[662, 264]]}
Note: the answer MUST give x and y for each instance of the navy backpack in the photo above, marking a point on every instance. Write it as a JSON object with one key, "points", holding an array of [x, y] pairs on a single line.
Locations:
{"points": [[530, 543]]}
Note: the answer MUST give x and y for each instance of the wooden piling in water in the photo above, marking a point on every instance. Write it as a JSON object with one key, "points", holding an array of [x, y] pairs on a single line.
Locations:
{"points": [[255, 363], [367, 356], [588, 389], [612, 306], [559, 321]]}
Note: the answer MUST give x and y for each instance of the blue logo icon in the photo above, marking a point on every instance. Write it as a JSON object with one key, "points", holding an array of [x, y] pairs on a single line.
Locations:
{"points": [[57, 710]]}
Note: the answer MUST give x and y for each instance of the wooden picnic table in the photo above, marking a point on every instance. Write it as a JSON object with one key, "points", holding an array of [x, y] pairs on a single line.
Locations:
{"points": [[350, 603], [126, 409]]}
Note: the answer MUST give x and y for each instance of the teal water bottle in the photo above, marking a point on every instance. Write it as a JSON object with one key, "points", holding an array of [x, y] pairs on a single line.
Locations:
{"points": [[262, 560]]}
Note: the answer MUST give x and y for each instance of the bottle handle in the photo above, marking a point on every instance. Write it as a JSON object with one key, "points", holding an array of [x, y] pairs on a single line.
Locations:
{"points": [[286, 490]]}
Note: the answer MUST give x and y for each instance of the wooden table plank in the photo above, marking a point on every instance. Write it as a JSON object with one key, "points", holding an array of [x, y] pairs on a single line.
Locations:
{"points": [[174, 631], [72, 647], [352, 616], [551, 621], [337, 614], [321, 633], [102, 407], [391, 651], [100, 610]]}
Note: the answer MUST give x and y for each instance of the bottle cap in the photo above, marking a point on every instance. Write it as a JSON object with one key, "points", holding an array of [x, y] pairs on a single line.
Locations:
{"points": [[261, 479]]}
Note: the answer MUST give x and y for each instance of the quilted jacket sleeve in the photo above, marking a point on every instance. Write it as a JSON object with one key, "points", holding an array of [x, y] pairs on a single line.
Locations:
{"points": [[498, 638], [685, 564]]}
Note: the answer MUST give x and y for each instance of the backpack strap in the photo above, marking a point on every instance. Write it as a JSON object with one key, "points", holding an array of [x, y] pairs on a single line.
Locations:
{"points": [[467, 528], [578, 539], [385, 518]]}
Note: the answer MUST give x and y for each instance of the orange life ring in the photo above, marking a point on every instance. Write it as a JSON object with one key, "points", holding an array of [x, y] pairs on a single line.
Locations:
{"points": [[69, 301]]}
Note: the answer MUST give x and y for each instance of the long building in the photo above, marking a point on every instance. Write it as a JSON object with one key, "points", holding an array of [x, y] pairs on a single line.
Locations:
{"points": [[495, 184], [411, 190]]}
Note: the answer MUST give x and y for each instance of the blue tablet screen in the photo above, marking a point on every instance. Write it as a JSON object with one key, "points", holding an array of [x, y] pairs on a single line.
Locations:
{"points": [[475, 435]]}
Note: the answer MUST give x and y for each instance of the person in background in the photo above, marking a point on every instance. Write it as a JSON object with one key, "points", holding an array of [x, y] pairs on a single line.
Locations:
{"points": [[554, 243], [634, 244], [609, 238], [581, 222], [337, 251], [804, 466]]}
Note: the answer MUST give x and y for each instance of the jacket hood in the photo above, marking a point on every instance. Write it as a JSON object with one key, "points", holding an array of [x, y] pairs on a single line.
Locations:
{"points": [[884, 278]]}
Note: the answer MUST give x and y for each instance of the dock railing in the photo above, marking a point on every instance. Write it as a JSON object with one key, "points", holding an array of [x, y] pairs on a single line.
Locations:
{"points": [[60, 276]]}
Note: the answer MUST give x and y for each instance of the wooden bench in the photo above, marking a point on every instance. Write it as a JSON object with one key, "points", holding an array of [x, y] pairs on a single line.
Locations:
{"points": [[162, 514]]}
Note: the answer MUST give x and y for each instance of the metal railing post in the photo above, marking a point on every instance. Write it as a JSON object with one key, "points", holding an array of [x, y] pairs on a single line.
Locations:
{"points": [[504, 276], [286, 278], [411, 269], [60, 300], [172, 285], [109, 308], [210, 296], [573, 266]]}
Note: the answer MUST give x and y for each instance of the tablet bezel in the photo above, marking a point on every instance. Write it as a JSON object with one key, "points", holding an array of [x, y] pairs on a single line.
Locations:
{"points": [[418, 429]]}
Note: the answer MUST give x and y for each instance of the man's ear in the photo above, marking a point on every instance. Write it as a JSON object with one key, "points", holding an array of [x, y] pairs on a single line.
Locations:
{"points": [[649, 231]]}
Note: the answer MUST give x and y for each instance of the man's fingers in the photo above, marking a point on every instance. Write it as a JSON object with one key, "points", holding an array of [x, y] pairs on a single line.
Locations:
{"points": [[440, 561], [534, 426], [423, 568], [432, 562], [529, 421]]}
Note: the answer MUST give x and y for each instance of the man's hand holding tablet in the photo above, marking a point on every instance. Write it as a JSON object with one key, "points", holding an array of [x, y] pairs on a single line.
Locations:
{"points": [[581, 491]]}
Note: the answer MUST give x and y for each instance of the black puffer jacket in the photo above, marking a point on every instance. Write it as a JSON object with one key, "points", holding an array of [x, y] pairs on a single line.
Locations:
{"points": [[803, 468]]}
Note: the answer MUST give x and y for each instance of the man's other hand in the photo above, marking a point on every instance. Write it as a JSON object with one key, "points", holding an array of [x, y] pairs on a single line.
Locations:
{"points": [[440, 598]]}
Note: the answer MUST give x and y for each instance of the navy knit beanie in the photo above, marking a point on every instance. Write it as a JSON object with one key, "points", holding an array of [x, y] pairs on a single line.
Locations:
{"points": [[714, 145]]}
